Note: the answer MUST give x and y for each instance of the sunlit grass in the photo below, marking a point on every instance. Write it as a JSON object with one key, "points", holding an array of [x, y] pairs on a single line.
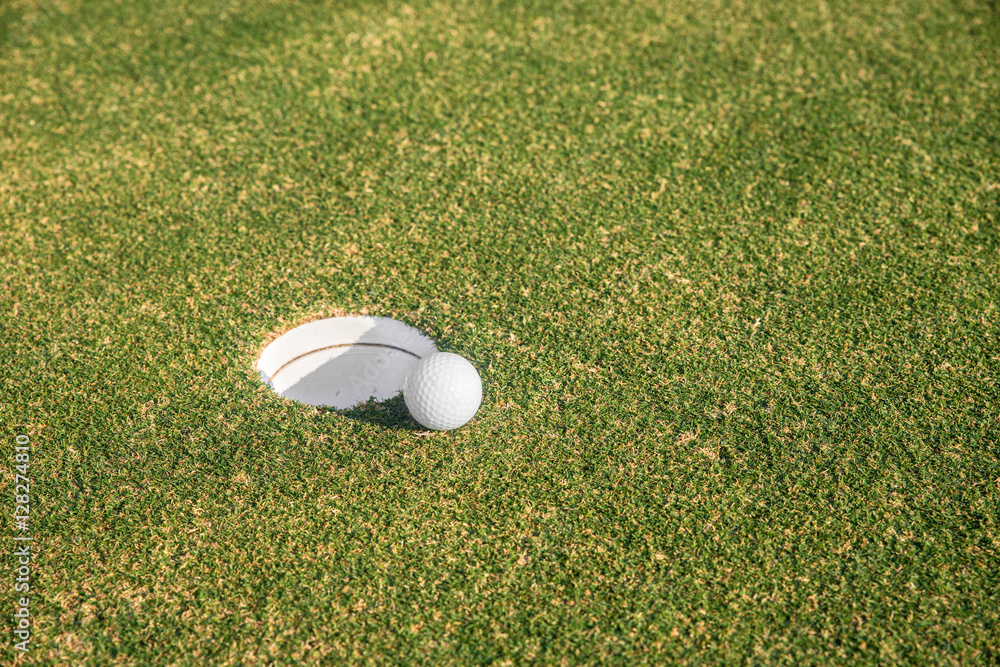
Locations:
{"points": [[729, 272]]}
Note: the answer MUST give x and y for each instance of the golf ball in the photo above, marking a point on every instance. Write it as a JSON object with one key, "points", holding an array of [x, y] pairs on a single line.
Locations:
{"points": [[442, 391]]}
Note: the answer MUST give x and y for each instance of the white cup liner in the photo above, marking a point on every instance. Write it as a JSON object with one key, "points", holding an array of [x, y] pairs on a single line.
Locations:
{"points": [[342, 362]]}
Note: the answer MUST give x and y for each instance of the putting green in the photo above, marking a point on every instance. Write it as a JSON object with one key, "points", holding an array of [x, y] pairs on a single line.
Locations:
{"points": [[728, 270]]}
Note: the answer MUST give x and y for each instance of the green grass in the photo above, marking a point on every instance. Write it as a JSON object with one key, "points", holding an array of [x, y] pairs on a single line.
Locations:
{"points": [[729, 270]]}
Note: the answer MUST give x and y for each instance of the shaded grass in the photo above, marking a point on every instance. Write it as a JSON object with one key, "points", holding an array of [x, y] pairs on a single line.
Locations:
{"points": [[729, 274]]}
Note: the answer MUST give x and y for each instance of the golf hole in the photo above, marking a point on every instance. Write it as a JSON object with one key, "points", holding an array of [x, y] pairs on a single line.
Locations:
{"points": [[341, 362]]}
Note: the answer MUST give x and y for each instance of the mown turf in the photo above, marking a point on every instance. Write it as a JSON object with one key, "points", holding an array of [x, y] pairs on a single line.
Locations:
{"points": [[729, 271]]}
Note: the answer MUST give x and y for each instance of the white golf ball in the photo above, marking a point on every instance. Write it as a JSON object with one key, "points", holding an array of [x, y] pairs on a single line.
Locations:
{"points": [[442, 391]]}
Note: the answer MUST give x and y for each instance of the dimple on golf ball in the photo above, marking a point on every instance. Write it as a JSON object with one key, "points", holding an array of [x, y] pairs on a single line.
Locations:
{"points": [[442, 391]]}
